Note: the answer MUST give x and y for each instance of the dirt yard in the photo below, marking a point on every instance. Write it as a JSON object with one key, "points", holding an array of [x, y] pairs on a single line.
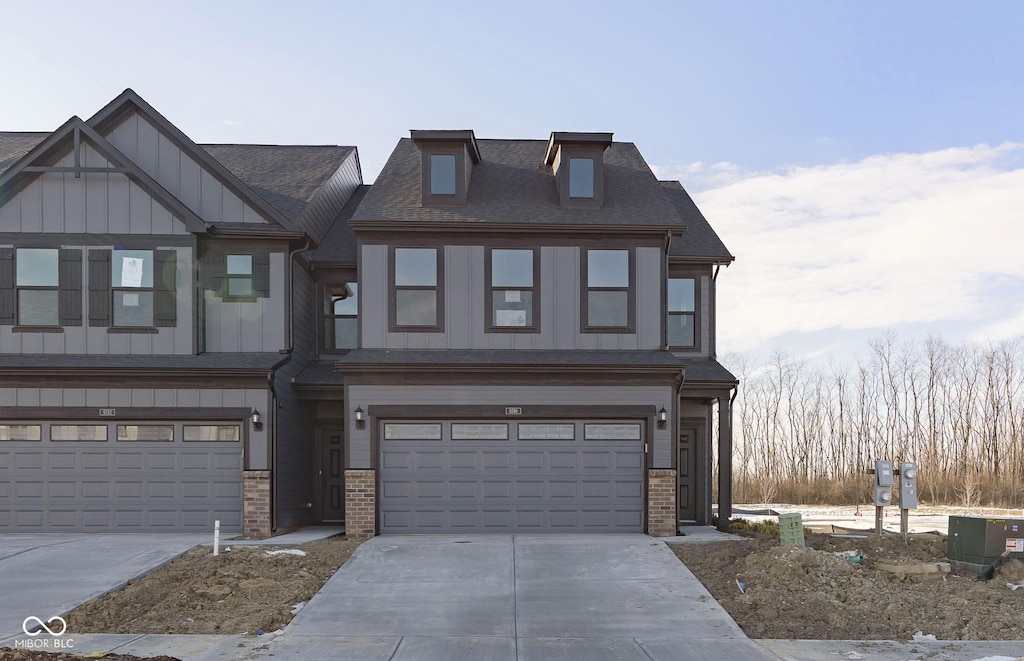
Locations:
{"points": [[243, 591], [810, 592]]}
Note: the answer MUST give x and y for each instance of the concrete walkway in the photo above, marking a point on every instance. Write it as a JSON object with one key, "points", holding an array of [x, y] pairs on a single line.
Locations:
{"points": [[514, 597], [43, 575]]}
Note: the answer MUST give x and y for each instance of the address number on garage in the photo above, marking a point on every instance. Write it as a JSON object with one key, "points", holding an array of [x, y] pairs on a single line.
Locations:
{"points": [[513, 410]]}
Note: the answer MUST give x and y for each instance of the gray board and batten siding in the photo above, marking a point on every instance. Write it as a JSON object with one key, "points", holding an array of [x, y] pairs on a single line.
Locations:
{"points": [[94, 203], [120, 485], [179, 173], [516, 476], [466, 315]]}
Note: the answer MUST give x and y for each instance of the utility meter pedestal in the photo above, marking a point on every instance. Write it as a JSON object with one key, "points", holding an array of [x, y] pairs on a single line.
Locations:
{"points": [[884, 481]]}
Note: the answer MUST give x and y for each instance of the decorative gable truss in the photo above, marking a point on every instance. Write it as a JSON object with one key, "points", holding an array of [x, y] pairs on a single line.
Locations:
{"points": [[76, 182]]}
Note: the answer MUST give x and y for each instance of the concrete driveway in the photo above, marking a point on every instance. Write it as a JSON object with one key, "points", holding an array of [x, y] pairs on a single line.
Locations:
{"points": [[514, 597], [49, 574]]}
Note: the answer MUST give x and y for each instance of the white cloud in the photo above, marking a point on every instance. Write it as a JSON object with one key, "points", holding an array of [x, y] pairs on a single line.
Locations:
{"points": [[891, 239]]}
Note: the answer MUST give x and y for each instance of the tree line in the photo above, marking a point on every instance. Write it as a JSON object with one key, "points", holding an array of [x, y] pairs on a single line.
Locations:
{"points": [[808, 434]]}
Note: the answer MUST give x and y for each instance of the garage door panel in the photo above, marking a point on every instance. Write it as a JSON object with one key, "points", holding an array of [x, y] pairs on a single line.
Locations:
{"points": [[62, 461], [527, 486], [120, 486], [26, 461]]}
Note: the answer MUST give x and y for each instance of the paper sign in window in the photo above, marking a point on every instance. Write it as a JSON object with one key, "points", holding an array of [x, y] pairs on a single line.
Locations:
{"points": [[511, 317], [131, 273]]}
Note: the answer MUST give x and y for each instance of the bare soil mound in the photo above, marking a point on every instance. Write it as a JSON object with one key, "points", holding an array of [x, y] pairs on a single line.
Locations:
{"points": [[811, 592], [239, 592]]}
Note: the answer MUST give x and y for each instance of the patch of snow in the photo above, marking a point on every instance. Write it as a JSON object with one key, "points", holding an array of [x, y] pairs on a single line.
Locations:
{"points": [[920, 636], [297, 607], [997, 658], [287, 551], [1014, 586], [852, 655]]}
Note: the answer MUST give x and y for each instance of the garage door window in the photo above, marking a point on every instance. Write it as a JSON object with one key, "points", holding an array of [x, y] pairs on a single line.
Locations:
{"points": [[412, 432], [78, 432], [479, 432], [145, 433], [547, 432], [611, 432], [211, 433], [20, 432]]}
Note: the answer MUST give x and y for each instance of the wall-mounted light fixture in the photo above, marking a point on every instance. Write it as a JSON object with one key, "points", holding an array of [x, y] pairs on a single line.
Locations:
{"points": [[360, 418], [257, 420], [662, 418]]}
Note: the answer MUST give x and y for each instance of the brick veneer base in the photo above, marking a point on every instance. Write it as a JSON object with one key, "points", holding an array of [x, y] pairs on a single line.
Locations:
{"points": [[661, 502], [256, 503], [360, 503]]}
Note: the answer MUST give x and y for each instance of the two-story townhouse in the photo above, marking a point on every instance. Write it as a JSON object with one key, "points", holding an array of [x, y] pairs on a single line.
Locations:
{"points": [[154, 300], [518, 335]]}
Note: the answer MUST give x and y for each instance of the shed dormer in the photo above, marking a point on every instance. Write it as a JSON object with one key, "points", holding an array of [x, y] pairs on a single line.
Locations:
{"points": [[577, 161], [447, 159]]}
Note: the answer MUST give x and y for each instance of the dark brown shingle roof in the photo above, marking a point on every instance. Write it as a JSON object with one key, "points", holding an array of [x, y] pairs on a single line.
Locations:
{"points": [[700, 240], [340, 243], [287, 177], [511, 184], [15, 145]]}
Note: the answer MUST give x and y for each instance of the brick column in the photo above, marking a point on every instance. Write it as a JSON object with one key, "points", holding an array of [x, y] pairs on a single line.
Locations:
{"points": [[360, 503], [256, 503], [661, 502]]}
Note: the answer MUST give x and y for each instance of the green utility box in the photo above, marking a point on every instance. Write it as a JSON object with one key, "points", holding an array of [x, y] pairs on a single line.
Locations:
{"points": [[975, 541], [791, 529]]}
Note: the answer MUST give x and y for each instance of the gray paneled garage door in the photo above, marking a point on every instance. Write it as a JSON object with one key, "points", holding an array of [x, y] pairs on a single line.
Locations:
{"points": [[152, 477], [529, 476]]}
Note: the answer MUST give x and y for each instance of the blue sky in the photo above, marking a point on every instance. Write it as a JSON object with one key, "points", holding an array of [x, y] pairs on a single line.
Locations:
{"points": [[864, 161]]}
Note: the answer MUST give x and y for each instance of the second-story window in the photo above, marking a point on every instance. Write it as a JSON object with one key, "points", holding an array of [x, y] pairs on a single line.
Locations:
{"points": [[682, 312], [608, 291], [513, 287], [37, 279], [442, 174], [342, 331], [131, 278], [417, 295], [581, 178], [239, 276]]}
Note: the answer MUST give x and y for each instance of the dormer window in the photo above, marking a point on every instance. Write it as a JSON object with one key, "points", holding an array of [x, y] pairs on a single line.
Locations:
{"points": [[446, 165], [581, 178], [442, 174], [577, 162]]}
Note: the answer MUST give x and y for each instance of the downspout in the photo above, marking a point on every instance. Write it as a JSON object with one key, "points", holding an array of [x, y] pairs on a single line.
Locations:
{"points": [[664, 291], [274, 403], [713, 348]]}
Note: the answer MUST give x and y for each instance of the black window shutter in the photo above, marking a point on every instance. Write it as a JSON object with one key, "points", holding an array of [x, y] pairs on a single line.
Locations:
{"points": [[99, 288], [261, 274], [69, 286], [8, 293], [165, 308]]}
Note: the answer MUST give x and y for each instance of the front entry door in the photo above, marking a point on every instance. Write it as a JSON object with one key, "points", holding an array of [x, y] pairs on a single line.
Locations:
{"points": [[686, 475], [332, 475]]}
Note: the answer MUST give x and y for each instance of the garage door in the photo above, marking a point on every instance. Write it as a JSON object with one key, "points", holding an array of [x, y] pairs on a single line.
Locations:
{"points": [[120, 477], [529, 476]]}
